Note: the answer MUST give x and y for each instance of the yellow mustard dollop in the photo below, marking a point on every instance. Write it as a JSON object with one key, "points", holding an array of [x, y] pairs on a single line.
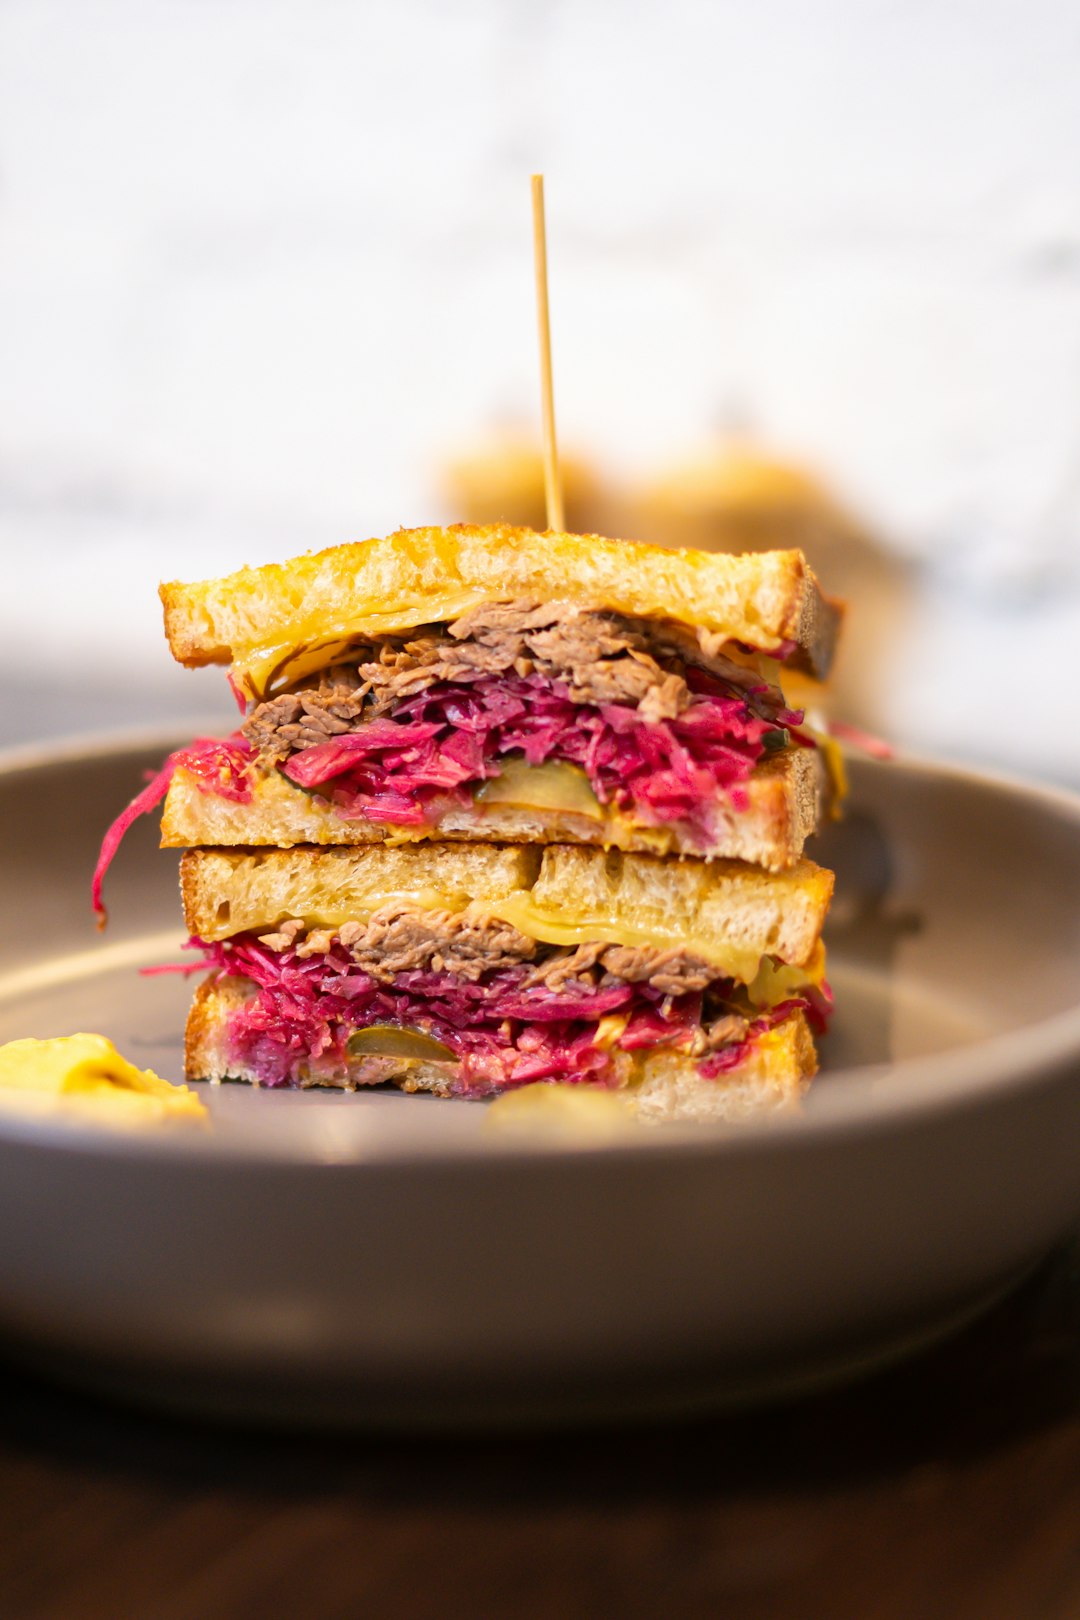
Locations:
{"points": [[578, 1111], [85, 1074]]}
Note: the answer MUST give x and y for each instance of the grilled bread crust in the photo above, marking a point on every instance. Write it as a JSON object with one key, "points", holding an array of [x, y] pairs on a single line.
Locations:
{"points": [[666, 1084], [417, 576], [784, 801], [226, 892], [724, 909]]}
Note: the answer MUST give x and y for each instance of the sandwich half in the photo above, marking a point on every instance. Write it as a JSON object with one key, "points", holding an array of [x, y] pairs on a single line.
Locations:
{"points": [[495, 684], [472, 969]]}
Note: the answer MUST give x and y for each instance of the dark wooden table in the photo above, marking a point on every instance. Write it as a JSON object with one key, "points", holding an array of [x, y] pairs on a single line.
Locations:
{"points": [[945, 1489]]}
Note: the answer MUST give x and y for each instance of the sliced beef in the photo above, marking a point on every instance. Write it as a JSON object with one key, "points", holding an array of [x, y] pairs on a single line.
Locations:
{"points": [[600, 657], [492, 621], [265, 726], [402, 939], [608, 657], [676, 973], [298, 720], [726, 1030], [561, 968]]}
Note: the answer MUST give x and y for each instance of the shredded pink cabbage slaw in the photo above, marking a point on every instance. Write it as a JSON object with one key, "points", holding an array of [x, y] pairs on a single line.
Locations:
{"points": [[441, 744], [219, 765], [501, 1033]]}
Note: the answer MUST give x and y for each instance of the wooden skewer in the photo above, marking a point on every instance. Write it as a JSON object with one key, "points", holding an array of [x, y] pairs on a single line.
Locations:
{"points": [[552, 478]]}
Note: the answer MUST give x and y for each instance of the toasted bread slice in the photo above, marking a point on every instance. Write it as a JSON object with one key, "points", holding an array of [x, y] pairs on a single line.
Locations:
{"points": [[284, 619], [784, 799], [666, 1085], [727, 913], [226, 892]]}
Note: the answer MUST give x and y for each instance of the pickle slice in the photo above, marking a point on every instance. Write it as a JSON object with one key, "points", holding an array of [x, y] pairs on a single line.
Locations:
{"points": [[555, 785], [394, 1040]]}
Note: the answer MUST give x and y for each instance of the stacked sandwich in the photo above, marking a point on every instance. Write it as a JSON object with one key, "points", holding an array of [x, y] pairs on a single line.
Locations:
{"points": [[507, 807]]}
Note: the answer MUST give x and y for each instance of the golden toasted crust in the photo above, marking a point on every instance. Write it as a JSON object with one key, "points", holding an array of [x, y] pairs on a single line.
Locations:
{"points": [[666, 1084], [784, 797], [774, 1074], [227, 892], [256, 618], [204, 1032], [726, 912]]}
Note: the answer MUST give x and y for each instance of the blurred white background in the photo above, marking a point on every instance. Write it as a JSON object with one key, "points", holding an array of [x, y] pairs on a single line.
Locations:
{"points": [[265, 263]]}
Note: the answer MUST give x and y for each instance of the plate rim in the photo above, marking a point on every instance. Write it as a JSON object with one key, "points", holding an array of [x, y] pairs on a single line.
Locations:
{"points": [[907, 1091]]}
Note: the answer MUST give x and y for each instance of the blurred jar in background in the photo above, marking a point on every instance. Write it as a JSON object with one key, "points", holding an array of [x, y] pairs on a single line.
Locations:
{"points": [[501, 480], [734, 495]]}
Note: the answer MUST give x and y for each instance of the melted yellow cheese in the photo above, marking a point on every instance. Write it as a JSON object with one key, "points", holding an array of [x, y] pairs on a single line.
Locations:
{"points": [[314, 644], [413, 899], [87, 1075], [552, 928], [309, 641], [769, 981], [778, 981], [609, 1029], [833, 755], [566, 924]]}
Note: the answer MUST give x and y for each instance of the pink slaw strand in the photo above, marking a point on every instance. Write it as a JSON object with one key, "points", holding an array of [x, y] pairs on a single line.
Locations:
{"points": [[220, 765], [874, 746]]}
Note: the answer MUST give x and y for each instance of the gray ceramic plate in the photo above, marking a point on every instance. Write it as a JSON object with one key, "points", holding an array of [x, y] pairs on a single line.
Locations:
{"points": [[386, 1259]]}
